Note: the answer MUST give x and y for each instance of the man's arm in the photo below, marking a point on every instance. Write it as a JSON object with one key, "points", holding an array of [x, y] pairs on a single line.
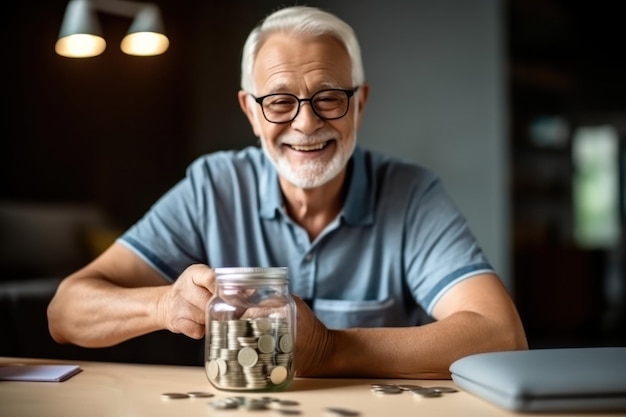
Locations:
{"points": [[118, 296], [476, 315]]}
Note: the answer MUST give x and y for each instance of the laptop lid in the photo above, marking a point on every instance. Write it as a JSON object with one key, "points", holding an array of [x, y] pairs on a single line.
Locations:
{"points": [[546, 380]]}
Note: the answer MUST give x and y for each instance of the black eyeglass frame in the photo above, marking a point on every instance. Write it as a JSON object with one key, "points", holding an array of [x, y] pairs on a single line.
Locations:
{"points": [[348, 92]]}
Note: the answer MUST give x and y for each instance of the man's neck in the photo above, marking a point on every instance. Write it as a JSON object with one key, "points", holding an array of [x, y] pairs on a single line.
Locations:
{"points": [[314, 208]]}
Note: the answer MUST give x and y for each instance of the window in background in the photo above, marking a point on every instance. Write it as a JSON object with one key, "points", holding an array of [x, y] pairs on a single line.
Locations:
{"points": [[595, 155]]}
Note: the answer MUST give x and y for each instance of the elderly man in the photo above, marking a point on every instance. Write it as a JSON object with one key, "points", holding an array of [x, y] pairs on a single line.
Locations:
{"points": [[373, 244]]}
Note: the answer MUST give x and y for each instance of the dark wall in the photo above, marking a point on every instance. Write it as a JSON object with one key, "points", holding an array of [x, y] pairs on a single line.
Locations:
{"points": [[118, 130]]}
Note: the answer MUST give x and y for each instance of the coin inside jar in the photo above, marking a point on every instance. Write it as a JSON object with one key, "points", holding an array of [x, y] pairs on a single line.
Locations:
{"points": [[285, 344], [278, 375], [266, 343], [247, 357], [213, 369]]}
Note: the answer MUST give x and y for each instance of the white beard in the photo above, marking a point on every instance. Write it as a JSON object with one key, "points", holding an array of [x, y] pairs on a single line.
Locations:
{"points": [[310, 174]]}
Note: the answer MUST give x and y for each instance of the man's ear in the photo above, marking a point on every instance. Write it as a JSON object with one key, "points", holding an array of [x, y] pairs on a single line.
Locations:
{"points": [[246, 103], [362, 96]]}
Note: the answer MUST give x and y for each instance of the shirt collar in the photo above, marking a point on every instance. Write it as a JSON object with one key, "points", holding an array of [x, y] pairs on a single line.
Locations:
{"points": [[270, 196], [358, 208]]}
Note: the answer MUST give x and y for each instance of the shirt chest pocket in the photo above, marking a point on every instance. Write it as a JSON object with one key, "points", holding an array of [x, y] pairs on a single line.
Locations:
{"points": [[342, 314]]}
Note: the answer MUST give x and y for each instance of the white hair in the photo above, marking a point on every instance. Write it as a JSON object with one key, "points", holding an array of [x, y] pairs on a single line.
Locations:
{"points": [[304, 21]]}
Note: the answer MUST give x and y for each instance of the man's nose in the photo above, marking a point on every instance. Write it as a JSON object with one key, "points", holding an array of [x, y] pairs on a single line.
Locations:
{"points": [[307, 121]]}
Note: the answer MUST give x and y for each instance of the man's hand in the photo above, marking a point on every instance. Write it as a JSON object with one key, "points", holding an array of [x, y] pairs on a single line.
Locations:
{"points": [[314, 342], [182, 309]]}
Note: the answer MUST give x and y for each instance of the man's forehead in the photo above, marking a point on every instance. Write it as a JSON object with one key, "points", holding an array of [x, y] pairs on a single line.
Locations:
{"points": [[284, 58]]}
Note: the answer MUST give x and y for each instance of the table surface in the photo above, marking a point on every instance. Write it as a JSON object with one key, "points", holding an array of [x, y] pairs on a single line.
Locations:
{"points": [[115, 389]]}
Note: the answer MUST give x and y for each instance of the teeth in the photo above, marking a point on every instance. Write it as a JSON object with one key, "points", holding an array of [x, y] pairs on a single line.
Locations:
{"points": [[305, 148]]}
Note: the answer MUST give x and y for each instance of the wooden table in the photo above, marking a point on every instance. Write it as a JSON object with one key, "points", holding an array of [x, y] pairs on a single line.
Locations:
{"points": [[114, 389]]}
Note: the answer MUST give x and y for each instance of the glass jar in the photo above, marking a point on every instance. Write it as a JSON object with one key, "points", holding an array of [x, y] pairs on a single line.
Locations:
{"points": [[250, 334]]}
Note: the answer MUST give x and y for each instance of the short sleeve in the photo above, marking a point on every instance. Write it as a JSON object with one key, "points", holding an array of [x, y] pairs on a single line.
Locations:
{"points": [[440, 248], [169, 236]]}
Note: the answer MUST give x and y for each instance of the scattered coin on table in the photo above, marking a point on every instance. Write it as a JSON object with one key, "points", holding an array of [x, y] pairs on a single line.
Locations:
{"points": [[340, 412], [174, 395], [386, 390], [417, 390], [200, 394], [256, 404], [409, 387], [445, 390]]}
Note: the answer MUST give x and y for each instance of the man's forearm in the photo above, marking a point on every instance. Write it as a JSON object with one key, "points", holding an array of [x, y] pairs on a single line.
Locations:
{"points": [[416, 352], [95, 313]]}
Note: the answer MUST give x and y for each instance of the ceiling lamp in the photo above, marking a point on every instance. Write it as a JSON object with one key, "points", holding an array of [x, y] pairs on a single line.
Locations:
{"points": [[81, 37]]}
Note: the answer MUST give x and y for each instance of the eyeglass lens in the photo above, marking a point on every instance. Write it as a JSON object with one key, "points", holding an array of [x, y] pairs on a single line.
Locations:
{"points": [[327, 104]]}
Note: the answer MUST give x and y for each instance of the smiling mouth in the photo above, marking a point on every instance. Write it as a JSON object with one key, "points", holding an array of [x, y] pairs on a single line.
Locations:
{"points": [[310, 148]]}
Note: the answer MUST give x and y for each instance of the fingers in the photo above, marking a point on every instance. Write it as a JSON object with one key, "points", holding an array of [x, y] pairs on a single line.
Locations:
{"points": [[184, 308], [202, 276], [187, 318], [202, 280], [190, 328], [313, 341]]}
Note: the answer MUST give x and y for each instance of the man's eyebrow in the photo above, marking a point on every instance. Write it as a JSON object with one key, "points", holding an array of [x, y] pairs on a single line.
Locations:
{"points": [[277, 88], [283, 88], [328, 84]]}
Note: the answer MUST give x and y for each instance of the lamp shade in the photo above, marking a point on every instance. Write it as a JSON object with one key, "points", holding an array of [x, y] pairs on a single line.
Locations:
{"points": [[80, 35], [146, 35]]}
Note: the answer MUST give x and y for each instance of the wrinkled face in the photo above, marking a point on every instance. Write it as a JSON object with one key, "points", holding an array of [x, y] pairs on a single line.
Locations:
{"points": [[308, 151]]}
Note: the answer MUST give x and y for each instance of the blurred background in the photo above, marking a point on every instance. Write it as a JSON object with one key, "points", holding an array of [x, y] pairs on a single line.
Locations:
{"points": [[519, 105]]}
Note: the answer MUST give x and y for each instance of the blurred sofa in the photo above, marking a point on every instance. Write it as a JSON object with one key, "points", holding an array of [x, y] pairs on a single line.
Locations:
{"points": [[39, 245]]}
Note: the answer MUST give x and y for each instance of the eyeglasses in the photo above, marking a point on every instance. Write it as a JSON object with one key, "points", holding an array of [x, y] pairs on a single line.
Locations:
{"points": [[327, 104]]}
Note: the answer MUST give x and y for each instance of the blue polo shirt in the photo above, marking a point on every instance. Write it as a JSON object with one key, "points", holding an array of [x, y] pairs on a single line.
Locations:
{"points": [[394, 249]]}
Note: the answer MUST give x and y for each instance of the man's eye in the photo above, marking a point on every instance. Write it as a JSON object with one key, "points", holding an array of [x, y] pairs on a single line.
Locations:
{"points": [[281, 101]]}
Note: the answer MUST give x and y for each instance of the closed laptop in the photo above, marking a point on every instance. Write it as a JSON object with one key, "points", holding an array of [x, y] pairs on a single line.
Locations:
{"points": [[547, 380]]}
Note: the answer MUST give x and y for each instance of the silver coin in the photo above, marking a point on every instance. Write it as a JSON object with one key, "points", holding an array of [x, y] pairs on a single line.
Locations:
{"points": [[285, 343], [288, 403], [222, 366], [288, 412], [341, 412], [444, 390], [200, 394], [266, 343], [386, 390], [247, 357], [384, 386], [426, 393], [213, 369], [174, 395], [224, 405], [262, 324], [409, 387], [255, 404]]}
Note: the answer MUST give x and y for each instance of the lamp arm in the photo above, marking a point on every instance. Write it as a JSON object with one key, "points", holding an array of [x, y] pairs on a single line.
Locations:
{"points": [[121, 7]]}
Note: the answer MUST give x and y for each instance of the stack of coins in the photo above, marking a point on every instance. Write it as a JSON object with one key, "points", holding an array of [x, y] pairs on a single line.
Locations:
{"points": [[253, 354]]}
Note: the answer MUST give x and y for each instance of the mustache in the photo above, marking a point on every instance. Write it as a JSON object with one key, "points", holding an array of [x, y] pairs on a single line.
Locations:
{"points": [[292, 138]]}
